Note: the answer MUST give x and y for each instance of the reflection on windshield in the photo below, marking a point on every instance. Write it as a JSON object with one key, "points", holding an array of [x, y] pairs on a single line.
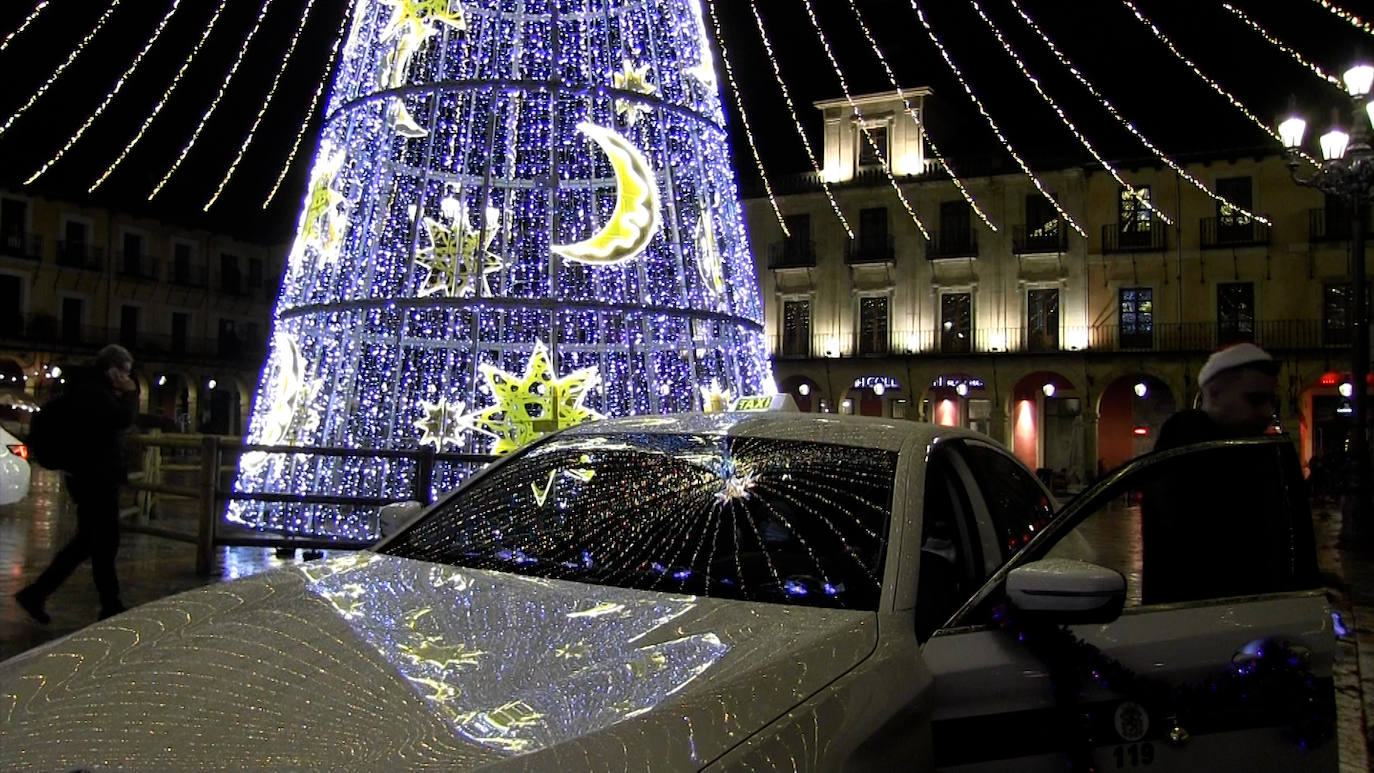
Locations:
{"points": [[734, 517], [519, 664]]}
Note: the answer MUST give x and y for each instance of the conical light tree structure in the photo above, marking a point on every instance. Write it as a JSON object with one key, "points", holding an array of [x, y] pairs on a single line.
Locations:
{"points": [[521, 215]]}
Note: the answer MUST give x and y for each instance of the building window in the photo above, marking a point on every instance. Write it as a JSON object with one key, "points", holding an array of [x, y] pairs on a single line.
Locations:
{"points": [[1042, 320], [873, 325], [1338, 313], [132, 257], [75, 240], [73, 316], [11, 302], [1235, 313], [128, 326], [868, 156], [255, 272], [1137, 309], [1236, 190], [181, 264], [181, 324], [796, 328], [1134, 217], [229, 278], [14, 219], [956, 322], [873, 239]]}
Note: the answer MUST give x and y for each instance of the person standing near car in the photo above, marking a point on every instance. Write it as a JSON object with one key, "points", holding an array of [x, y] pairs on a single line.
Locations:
{"points": [[103, 403], [1204, 533]]}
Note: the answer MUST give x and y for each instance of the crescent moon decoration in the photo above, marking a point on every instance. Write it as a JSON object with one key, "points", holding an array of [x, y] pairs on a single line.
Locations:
{"points": [[635, 219], [289, 416]]}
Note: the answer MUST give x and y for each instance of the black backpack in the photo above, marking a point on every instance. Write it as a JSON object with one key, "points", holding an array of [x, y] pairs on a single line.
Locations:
{"points": [[53, 433]]}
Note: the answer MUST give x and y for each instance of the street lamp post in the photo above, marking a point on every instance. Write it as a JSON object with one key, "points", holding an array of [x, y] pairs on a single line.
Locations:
{"points": [[1347, 173]]}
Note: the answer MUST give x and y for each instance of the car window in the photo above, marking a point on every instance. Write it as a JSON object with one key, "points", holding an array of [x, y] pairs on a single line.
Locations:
{"points": [[1205, 522], [732, 517], [1016, 501], [951, 561]]}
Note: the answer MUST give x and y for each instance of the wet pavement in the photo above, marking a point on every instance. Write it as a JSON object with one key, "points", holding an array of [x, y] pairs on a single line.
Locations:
{"points": [[152, 567]]}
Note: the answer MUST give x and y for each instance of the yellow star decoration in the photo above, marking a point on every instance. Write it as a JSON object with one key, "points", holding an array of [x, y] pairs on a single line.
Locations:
{"points": [[432, 651], [348, 606], [709, 263], [324, 222], [636, 79], [459, 257], [511, 716], [714, 399], [289, 417], [571, 651], [412, 23], [534, 404], [440, 423], [439, 692], [650, 663]]}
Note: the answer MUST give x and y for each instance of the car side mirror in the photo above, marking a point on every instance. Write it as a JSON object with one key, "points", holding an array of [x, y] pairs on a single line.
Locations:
{"points": [[1065, 590], [396, 516]]}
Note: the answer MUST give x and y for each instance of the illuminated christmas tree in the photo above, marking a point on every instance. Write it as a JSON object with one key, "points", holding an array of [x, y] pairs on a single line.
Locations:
{"points": [[521, 216]]}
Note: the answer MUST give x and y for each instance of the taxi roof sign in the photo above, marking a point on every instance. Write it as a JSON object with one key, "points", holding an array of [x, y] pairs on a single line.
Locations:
{"points": [[758, 403]]}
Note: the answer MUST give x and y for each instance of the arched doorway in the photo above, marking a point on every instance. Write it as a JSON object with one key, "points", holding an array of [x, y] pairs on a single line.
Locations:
{"points": [[170, 399], [221, 415], [958, 399], [875, 396], [805, 392], [1326, 419], [1046, 414], [1130, 412]]}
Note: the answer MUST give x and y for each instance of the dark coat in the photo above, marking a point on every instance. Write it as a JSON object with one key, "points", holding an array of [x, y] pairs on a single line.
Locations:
{"points": [[102, 415]]}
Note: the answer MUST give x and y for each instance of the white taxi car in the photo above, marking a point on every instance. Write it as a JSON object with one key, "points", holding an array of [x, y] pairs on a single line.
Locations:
{"points": [[14, 468], [723, 592]]}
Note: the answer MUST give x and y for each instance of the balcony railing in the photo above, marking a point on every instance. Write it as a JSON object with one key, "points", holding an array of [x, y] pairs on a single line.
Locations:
{"points": [[792, 253], [1189, 337], [1322, 228], [952, 243], [1040, 240], [1233, 232], [870, 250], [80, 255], [22, 245], [42, 331], [1118, 237], [188, 276], [136, 265]]}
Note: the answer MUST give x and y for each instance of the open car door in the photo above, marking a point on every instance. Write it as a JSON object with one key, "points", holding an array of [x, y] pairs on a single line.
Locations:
{"points": [[1168, 619]]}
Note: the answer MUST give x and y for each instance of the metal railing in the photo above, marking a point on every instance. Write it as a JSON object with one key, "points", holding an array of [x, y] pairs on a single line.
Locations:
{"points": [[792, 253], [22, 245], [80, 255], [188, 275], [39, 331], [212, 490], [952, 243], [1236, 232], [1119, 237], [136, 265], [1321, 227], [1188, 337], [870, 250], [1040, 240]]}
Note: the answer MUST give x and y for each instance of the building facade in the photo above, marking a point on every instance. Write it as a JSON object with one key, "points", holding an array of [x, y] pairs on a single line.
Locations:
{"points": [[1071, 348], [192, 306]]}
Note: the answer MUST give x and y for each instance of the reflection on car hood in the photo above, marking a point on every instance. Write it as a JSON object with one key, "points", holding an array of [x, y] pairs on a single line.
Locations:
{"points": [[372, 661]]}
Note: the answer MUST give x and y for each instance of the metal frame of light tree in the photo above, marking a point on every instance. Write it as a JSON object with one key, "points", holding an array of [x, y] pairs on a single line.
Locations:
{"points": [[1348, 174], [502, 114]]}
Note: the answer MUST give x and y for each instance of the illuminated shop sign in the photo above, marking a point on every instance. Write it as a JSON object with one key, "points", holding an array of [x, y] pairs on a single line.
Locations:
{"points": [[869, 382], [954, 382]]}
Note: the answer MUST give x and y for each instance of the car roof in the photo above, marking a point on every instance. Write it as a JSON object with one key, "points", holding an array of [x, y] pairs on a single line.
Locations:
{"points": [[865, 431]]}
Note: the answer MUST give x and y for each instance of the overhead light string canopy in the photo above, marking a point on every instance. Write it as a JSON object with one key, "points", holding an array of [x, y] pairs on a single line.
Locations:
{"points": [[1126, 124], [109, 95], [1354, 20], [266, 102], [792, 111], [925, 132], [744, 119], [859, 119], [214, 103], [1217, 87], [25, 25], [310, 111], [166, 95], [1284, 47], [992, 123], [1133, 189], [71, 57]]}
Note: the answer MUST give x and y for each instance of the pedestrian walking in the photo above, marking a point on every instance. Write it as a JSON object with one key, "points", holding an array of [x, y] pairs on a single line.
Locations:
{"points": [[97, 407]]}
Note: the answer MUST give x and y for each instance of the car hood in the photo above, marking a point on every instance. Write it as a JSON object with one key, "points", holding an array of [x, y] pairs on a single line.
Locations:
{"points": [[371, 661]]}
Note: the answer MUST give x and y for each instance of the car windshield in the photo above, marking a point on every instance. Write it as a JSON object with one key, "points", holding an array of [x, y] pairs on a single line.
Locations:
{"points": [[759, 519]]}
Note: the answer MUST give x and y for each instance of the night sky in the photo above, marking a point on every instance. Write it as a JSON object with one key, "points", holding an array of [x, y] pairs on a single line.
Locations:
{"points": [[1125, 61]]}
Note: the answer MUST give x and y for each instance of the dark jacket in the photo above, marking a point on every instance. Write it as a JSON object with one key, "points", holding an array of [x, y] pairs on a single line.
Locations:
{"points": [[102, 415]]}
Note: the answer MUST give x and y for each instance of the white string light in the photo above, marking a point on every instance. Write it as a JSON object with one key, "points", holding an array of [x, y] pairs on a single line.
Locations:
{"points": [[1228, 96], [1063, 118], [925, 131], [223, 87], [309, 113], [71, 57], [27, 21], [791, 110], [859, 120], [1130, 127], [262, 110], [1354, 20], [1280, 45], [166, 94], [109, 96], [992, 124], [744, 119]]}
